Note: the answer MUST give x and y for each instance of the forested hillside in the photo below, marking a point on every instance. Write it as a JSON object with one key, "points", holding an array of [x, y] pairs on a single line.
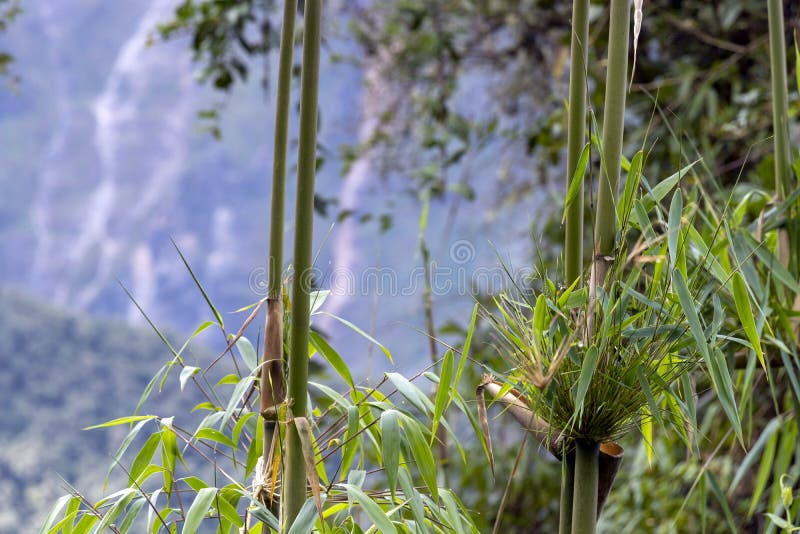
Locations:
{"points": [[52, 358]]}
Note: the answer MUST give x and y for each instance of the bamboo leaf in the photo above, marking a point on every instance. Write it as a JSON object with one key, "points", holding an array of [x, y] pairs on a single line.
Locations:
{"points": [[726, 509], [764, 469], [411, 494], [54, 513], [587, 371], [213, 434], [247, 352], [197, 512], [260, 512], [123, 421], [674, 226], [411, 392], [745, 312], [576, 181], [228, 511], [360, 332], [467, 346], [371, 508], [390, 434], [422, 453], [236, 397], [144, 457], [442, 392], [213, 308], [305, 519], [332, 357], [186, 373], [631, 187], [754, 453], [660, 191], [715, 361]]}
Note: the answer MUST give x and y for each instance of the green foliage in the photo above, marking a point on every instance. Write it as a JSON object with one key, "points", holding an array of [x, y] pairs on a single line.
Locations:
{"points": [[175, 471]]}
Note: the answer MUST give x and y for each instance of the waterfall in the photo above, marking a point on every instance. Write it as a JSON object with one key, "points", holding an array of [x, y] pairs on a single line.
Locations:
{"points": [[48, 176]]}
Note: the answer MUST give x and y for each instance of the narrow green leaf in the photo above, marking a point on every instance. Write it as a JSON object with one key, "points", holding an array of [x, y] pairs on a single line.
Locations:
{"points": [[332, 357], [467, 346], [764, 468], [408, 390], [665, 186], [371, 508], [54, 513], [422, 453], [363, 334], [351, 440], [261, 513], [576, 181], [631, 187], [197, 512], [414, 499], [754, 453], [186, 373], [133, 512], [674, 226], [745, 312], [715, 361], [216, 313], [123, 421], [247, 352], [442, 392], [306, 518], [236, 397], [212, 434], [390, 435], [228, 511], [539, 321], [317, 299], [587, 371], [723, 502], [237, 429], [144, 457]]}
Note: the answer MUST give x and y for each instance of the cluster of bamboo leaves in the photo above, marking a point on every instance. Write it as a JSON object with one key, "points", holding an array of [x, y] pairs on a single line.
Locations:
{"points": [[370, 447]]}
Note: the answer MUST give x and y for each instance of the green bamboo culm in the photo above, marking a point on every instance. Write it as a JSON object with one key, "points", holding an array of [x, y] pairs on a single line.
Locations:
{"points": [[272, 393], [780, 114], [584, 508], [567, 493], [576, 137], [573, 241], [294, 477], [613, 125]]}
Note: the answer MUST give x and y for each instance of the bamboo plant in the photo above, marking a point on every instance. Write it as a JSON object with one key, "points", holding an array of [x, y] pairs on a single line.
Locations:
{"points": [[294, 476], [272, 386], [573, 241]]}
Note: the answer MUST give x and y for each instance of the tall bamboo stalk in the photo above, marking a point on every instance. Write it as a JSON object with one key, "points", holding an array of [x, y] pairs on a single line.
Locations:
{"points": [[272, 388], [605, 232], [294, 479], [573, 241], [567, 493], [780, 114], [584, 511]]}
